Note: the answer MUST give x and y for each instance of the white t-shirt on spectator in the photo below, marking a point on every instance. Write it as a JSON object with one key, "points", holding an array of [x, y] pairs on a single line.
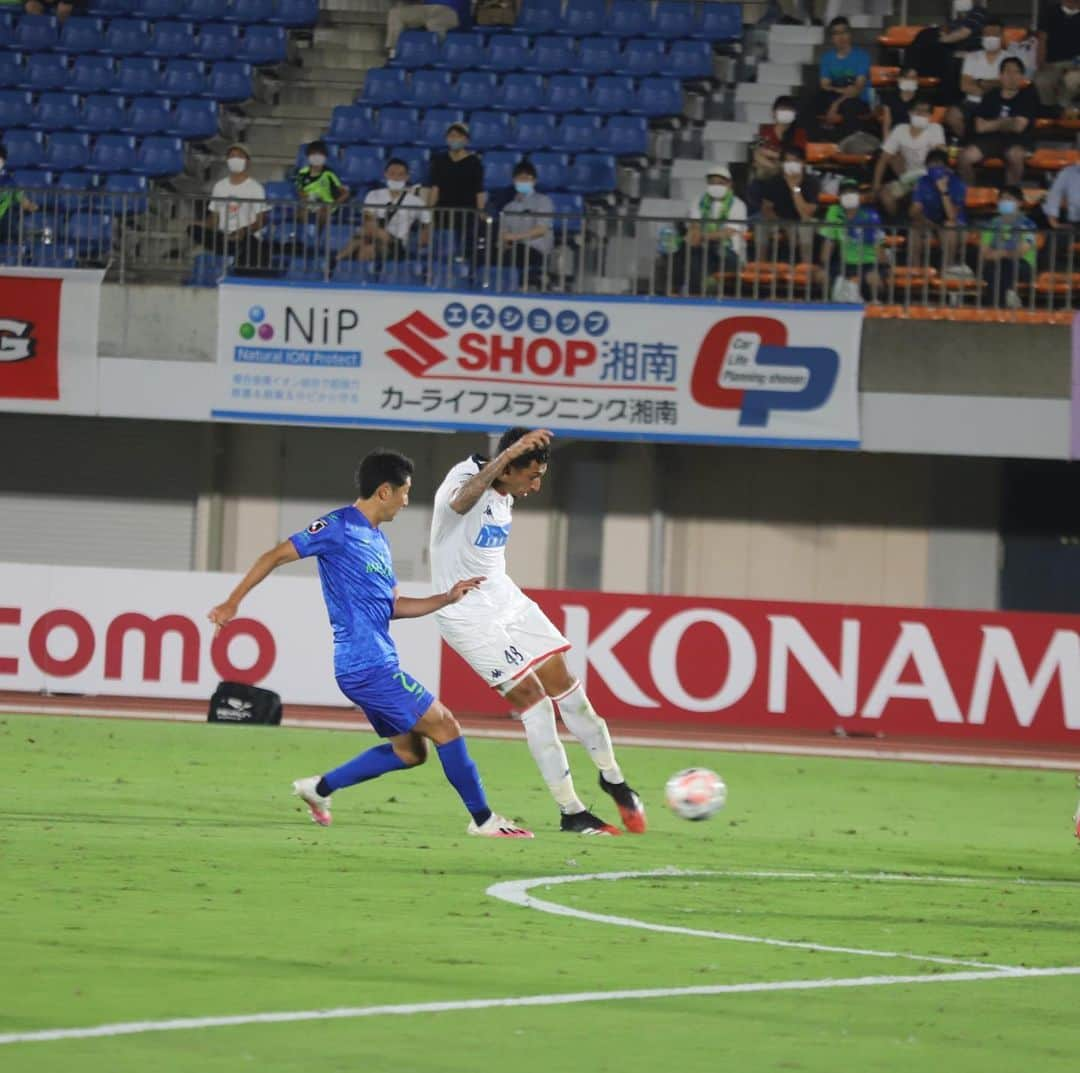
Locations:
{"points": [[911, 147], [237, 205], [979, 66], [736, 216], [381, 199]]}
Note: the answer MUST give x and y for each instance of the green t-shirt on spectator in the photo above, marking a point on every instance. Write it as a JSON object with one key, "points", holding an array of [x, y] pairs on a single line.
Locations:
{"points": [[858, 237], [1016, 236], [323, 187]]}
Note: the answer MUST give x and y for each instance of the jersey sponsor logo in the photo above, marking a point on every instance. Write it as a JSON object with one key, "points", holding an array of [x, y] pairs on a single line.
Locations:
{"points": [[377, 566], [410, 685], [317, 526], [493, 536], [16, 340]]}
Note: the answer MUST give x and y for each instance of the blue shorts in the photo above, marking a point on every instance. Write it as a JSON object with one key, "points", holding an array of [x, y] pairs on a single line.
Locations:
{"points": [[392, 700]]}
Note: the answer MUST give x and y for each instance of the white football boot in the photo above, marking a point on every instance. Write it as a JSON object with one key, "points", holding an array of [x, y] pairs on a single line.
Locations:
{"points": [[497, 826], [318, 805]]}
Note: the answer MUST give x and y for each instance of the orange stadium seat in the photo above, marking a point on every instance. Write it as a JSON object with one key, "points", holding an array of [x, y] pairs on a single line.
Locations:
{"points": [[883, 77], [1053, 159], [981, 198], [820, 152], [899, 36]]}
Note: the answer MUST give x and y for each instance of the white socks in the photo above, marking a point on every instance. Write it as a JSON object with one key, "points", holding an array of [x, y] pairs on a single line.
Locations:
{"points": [[583, 722], [549, 754]]}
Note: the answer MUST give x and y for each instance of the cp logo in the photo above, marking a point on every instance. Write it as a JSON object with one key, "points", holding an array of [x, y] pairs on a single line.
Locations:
{"points": [[760, 345]]}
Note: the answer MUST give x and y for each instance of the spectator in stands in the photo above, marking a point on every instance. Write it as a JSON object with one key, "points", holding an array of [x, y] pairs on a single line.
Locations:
{"points": [[236, 215], [1058, 76], [1004, 125], [844, 73], [789, 202], [525, 234], [896, 106], [60, 8], [979, 74], [1062, 204], [10, 197], [715, 239], [1007, 245], [435, 16], [934, 50], [772, 139], [853, 253], [938, 207], [319, 188], [457, 186], [904, 156], [390, 214]]}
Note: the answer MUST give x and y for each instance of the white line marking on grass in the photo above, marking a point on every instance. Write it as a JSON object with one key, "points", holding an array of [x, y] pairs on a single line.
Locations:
{"points": [[134, 1028]]}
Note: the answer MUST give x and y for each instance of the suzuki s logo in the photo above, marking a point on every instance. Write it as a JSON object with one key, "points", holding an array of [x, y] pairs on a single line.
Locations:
{"points": [[16, 342], [417, 355], [745, 364]]}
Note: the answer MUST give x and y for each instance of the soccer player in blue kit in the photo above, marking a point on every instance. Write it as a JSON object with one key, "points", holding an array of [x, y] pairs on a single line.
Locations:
{"points": [[361, 596]]}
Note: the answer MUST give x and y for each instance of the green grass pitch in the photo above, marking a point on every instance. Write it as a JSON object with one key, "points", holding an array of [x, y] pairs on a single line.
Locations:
{"points": [[151, 871]]}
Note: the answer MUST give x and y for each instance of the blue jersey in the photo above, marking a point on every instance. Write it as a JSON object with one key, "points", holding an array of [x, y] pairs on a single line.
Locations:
{"points": [[358, 584]]}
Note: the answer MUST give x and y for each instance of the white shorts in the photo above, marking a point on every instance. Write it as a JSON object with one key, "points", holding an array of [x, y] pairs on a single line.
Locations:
{"points": [[502, 652]]}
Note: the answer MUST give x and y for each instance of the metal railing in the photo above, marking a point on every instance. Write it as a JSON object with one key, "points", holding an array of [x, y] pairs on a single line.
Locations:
{"points": [[163, 237]]}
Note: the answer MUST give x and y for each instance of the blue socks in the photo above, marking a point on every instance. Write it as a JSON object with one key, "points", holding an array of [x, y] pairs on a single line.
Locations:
{"points": [[369, 765], [460, 769]]}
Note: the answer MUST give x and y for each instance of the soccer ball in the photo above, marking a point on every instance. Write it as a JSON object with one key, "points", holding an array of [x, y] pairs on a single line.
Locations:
{"points": [[695, 793]]}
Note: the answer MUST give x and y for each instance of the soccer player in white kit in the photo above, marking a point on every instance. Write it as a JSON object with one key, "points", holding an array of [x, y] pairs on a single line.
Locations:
{"points": [[506, 638]]}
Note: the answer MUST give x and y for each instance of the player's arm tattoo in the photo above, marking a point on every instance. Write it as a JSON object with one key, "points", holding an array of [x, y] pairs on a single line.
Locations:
{"points": [[468, 495]]}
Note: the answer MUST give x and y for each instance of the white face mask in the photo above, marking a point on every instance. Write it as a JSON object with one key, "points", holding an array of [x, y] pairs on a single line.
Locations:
{"points": [[395, 184], [919, 122], [316, 160], [850, 200], [717, 190], [236, 164], [785, 116], [908, 85], [961, 7], [1070, 10], [991, 44], [792, 167]]}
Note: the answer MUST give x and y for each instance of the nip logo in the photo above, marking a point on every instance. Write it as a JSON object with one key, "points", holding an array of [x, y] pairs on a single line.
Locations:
{"points": [[746, 364], [256, 324]]}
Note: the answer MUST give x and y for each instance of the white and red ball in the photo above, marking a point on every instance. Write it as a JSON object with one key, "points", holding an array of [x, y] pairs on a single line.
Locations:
{"points": [[696, 793]]}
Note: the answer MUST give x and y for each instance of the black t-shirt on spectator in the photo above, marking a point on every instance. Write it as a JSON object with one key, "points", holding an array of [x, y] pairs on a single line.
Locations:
{"points": [[777, 191], [459, 181], [974, 21], [997, 106], [899, 110], [1062, 33]]}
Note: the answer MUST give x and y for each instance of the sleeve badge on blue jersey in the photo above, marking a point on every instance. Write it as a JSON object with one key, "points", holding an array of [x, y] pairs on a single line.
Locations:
{"points": [[317, 526]]}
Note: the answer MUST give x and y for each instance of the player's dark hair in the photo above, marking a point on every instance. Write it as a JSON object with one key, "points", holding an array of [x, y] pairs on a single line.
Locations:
{"points": [[382, 466], [398, 161], [937, 156], [1012, 61], [317, 147], [524, 167], [537, 454]]}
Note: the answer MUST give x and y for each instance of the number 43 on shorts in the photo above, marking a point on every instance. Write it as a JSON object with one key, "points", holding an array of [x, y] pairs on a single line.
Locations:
{"points": [[513, 656]]}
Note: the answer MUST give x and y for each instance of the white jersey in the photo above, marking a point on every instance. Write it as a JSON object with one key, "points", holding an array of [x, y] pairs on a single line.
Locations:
{"points": [[473, 545]]}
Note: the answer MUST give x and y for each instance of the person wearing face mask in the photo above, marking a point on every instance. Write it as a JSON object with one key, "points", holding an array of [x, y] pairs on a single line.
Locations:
{"points": [[789, 204], [525, 236], [979, 74], [904, 155], [1007, 249], [11, 197], [938, 209], [853, 252], [457, 187], [896, 106], [318, 188], [772, 139], [1062, 204], [933, 50], [844, 82], [1004, 125], [1058, 76]]}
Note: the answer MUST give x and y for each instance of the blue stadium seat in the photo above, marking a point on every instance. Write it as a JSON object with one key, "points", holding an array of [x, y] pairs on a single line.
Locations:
{"points": [[577, 134], [473, 89], [183, 78], [217, 41], [52, 255], [109, 9], [159, 156], [73, 189], [147, 115], [173, 39], [113, 152], [507, 52], [520, 92], [566, 93], [591, 173], [126, 195], [12, 69], [128, 37], [250, 12], [583, 18], [25, 148], [534, 130], [194, 119], [657, 97], [46, 71], [157, 11], [82, 34], [674, 19], [598, 56], [504, 279], [207, 270], [101, 112], [461, 51], [571, 211], [362, 166], [16, 109], [33, 178], [416, 48], [642, 57], [490, 130], [611, 94], [351, 124], [720, 22], [137, 76], [538, 17], [499, 168], [416, 157], [433, 126], [92, 74], [629, 18], [428, 89], [230, 82], [395, 125], [67, 151], [551, 170], [7, 30], [625, 135], [204, 11], [690, 60], [56, 111], [89, 232], [384, 85], [552, 54], [280, 190], [295, 13], [36, 33], [264, 46]]}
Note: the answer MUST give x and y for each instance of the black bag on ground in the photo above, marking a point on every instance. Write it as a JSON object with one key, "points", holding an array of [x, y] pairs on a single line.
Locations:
{"points": [[234, 702]]}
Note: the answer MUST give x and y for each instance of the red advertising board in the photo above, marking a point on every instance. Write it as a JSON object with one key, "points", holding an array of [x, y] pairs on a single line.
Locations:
{"points": [[968, 675], [30, 338]]}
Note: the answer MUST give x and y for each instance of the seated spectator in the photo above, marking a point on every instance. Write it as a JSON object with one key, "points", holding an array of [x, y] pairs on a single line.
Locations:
{"points": [[236, 216], [1007, 245], [715, 240], [978, 75], [904, 156], [896, 105], [938, 208], [789, 201], [390, 214], [853, 254], [1004, 125], [457, 188], [1058, 76], [60, 8], [435, 16], [10, 196], [844, 72], [319, 188], [935, 49], [772, 139], [1062, 204], [525, 235]]}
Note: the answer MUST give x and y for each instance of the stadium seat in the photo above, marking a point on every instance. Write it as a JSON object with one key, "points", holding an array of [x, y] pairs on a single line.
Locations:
{"points": [[520, 92], [473, 89], [566, 93], [137, 76], [73, 189], [598, 56], [384, 85], [109, 9], [264, 46], [182, 78], [157, 11], [416, 157], [204, 11], [583, 18], [551, 170], [591, 173], [16, 109], [207, 270], [12, 69], [499, 169], [428, 89], [82, 34], [507, 52], [101, 112], [673, 19], [625, 135], [416, 48], [689, 60], [657, 97], [351, 124], [173, 39], [159, 156], [128, 37], [461, 51], [362, 166], [92, 74], [538, 17], [533, 131], [552, 54], [193, 119], [217, 41], [642, 57], [36, 33], [504, 279], [89, 232], [52, 255], [628, 18], [611, 95], [25, 148], [490, 130], [46, 71], [719, 23], [147, 115], [576, 134], [395, 125], [571, 211], [899, 36], [57, 111], [295, 13], [250, 12], [432, 132], [33, 178], [126, 195], [230, 82], [113, 152]]}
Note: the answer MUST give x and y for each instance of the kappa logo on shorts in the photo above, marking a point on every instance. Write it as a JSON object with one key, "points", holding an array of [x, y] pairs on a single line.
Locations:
{"points": [[496, 674], [317, 526]]}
